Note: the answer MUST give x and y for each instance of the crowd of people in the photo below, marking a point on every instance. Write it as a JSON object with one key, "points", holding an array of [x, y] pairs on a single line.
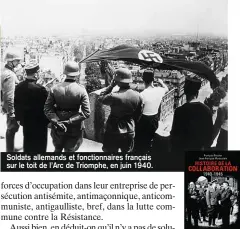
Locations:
{"points": [[209, 202], [131, 125]]}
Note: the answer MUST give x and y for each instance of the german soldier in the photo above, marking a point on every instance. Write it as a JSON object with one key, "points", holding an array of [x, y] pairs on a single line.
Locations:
{"points": [[66, 107], [126, 109], [8, 83], [29, 103]]}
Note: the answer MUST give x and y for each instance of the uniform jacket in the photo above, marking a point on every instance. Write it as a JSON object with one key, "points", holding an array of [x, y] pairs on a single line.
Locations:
{"points": [[212, 196], [225, 197], [126, 109], [8, 83], [29, 103], [67, 100]]}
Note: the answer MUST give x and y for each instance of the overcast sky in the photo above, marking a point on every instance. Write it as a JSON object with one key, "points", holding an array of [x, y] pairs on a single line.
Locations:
{"points": [[49, 17]]}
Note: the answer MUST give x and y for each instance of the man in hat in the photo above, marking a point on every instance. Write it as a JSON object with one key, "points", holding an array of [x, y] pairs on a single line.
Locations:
{"points": [[212, 198], [126, 109], [225, 203], [219, 189], [192, 126], [8, 83], [148, 124], [66, 107], [29, 102], [192, 204], [202, 201]]}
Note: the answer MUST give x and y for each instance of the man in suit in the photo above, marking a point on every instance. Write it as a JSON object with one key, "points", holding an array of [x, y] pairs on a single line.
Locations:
{"points": [[192, 126], [225, 203], [29, 102], [212, 198], [202, 201], [192, 204]]}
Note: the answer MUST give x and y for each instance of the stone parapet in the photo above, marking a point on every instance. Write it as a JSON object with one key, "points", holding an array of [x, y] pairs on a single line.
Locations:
{"points": [[96, 123]]}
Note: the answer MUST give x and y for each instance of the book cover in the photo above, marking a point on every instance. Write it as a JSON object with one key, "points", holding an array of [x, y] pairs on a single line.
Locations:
{"points": [[212, 189]]}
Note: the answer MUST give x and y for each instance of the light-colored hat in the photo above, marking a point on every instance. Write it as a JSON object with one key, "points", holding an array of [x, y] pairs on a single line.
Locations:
{"points": [[32, 68]]}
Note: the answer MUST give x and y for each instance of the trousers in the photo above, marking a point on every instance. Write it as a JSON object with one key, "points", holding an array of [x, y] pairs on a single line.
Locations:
{"points": [[12, 128], [114, 142], [68, 141], [35, 138], [145, 130]]}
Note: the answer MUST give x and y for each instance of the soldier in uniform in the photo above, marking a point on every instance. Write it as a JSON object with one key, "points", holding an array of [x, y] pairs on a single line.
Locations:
{"points": [[29, 103], [66, 107], [126, 109], [192, 204], [212, 197], [225, 203], [8, 83]]}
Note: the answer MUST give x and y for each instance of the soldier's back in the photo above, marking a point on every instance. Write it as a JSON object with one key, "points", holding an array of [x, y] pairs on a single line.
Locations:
{"points": [[68, 95], [125, 102]]}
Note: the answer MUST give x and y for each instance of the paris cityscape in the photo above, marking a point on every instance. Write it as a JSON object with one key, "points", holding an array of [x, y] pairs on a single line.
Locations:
{"points": [[53, 52]]}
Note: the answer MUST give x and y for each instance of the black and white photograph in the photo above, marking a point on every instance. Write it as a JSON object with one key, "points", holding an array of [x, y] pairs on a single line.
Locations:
{"points": [[114, 76]]}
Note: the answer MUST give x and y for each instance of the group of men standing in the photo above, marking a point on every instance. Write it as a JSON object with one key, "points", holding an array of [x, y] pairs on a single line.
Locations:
{"points": [[130, 127], [30, 105], [212, 201], [134, 116]]}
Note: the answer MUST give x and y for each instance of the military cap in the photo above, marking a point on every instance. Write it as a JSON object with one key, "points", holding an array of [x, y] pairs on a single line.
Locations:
{"points": [[32, 68]]}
